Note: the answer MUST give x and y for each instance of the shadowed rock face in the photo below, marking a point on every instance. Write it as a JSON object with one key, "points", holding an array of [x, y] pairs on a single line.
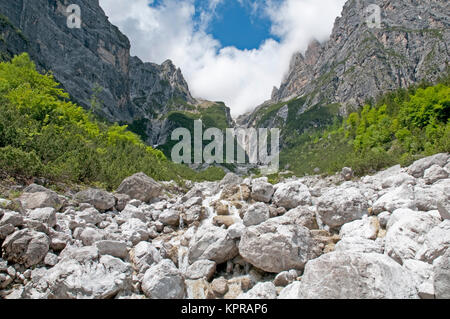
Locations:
{"points": [[94, 58], [358, 62]]}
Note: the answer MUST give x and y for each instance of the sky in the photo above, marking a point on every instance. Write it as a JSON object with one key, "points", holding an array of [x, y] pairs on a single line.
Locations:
{"points": [[233, 51]]}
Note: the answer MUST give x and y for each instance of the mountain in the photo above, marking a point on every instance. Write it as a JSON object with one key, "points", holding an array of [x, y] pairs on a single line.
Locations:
{"points": [[94, 65], [359, 63]]}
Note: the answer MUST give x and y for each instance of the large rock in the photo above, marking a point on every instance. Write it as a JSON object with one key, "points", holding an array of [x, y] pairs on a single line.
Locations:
{"points": [[212, 243], [367, 228], [346, 275], [341, 205], [230, 179], [81, 274], [418, 168], [292, 194], [169, 217], [201, 269], [26, 247], [262, 191], [359, 245], [113, 248], [400, 197], [163, 281], [436, 243], [140, 186], [44, 215], [143, 256], [441, 268], [256, 214], [406, 234], [40, 200], [434, 173], [303, 216], [135, 230], [100, 199], [277, 245]]}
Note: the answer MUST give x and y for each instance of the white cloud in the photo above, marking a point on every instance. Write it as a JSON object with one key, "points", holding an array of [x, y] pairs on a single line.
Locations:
{"points": [[242, 79]]}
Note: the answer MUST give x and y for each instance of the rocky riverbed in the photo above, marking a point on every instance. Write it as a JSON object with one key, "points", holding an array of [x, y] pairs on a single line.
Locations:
{"points": [[380, 236]]}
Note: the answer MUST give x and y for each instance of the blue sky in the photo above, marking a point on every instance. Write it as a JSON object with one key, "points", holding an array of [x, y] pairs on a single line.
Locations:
{"points": [[233, 51]]}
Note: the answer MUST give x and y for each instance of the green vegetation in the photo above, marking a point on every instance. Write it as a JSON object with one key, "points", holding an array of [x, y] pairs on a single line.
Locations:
{"points": [[43, 134], [399, 128]]}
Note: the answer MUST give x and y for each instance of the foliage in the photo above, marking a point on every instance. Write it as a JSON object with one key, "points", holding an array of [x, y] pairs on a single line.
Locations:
{"points": [[43, 133]]}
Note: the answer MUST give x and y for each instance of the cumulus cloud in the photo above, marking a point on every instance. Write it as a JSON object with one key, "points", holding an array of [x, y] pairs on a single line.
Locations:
{"points": [[243, 79]]}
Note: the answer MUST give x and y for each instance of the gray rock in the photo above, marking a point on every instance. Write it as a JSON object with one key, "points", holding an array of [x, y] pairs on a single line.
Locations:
{"points": [[292, 291], [436, 242], [367, 228], [277, 245], [201, 269], [90, 216], [397, 180], [441, 268], [25, 247], [303, 216], [262, 290], [131, 211], [140, 186], [113, 248], [434, 173], [100, 199], [418, 168], [341, 205], [170, 217], [12, 218], [212, 243], [230, 179], [88, 235], [40, 200], [134, 230], [235, 231], [359, 245], [256, 214], [121, 201], [44, 215], [85, 277], [163, 281], [383, 218], [144, 255], [291, 195], [6, 230], [347, 173], [285, 278], [51, 259], [346, 275], [400, 197], [262, 192]]}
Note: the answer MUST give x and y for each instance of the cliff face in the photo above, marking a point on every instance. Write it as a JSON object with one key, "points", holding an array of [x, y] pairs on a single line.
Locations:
{"points": [[92, 61], [359, 62]]}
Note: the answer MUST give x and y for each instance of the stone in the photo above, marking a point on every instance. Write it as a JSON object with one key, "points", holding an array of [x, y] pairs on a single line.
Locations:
{"points": [[383, 218], [441, 268], [100, 199], [347, 173], [170, 217], [134, 230], [58, 240], [89, 235], [291, 291], [222, 209], [285, 278], [367, 228], [347, 275], [198, 289], [113, 248], [405, 236], [44, 215], [434, 173], [163, 281], [131, 211], [400, 197], [226, 221], [341, 205], [303, 216], [82, 278], [219, 286], [90, 216], [277, 245], [50, 259], [40, 200], [235, 231], [143, 256], [212, 243], [436, 242], [262, 192], [6, 230], [256, 214], [26, 247], [201, 269], [291, 195], [418, 168], [426, 291], [443, 207], [230, 179], [262, 290], [140, 186], [359, 245], [398, 179], [12, 218], [121, 201]]}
